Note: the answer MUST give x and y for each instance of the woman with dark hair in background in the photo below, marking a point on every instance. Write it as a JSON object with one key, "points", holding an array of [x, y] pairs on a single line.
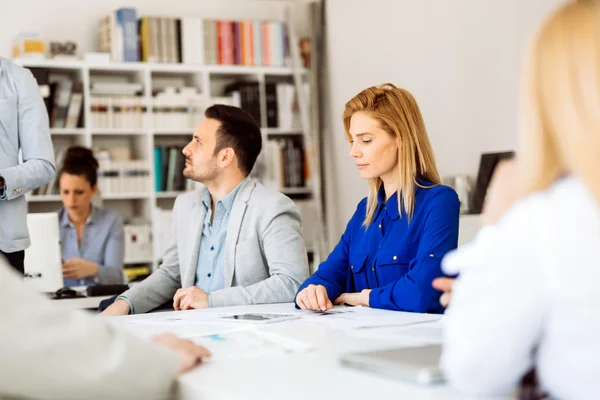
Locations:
{"points": [[92, 238]]}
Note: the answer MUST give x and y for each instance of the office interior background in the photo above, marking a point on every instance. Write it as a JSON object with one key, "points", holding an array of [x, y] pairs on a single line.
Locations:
{"points": [[460, 58]]}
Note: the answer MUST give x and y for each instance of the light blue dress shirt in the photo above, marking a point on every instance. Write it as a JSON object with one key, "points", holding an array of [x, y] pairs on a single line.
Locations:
{"points": [[209, 271], [103, 243], [23, 126]]}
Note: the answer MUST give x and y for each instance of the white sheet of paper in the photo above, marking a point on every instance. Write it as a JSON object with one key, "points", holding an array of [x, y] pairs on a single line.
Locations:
{"points": [[359, 317], [425, 333], [182, 327], [248, 343]]}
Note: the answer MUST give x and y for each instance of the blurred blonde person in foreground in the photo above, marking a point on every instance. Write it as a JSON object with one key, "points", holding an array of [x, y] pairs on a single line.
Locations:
{"points": [[527, 294]]}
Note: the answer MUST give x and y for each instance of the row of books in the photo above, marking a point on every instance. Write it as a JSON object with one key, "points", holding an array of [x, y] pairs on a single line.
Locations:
{"points": [[169, 163], [63, 98], [116, 177], [286, 165], [245, 42], [281, 103], [181, 108], [118, 112], [192, 40]]}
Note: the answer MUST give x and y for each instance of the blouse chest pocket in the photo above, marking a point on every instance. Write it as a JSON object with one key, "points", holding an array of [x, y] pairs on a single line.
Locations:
{"points": [[357, 269], [394, 263]]}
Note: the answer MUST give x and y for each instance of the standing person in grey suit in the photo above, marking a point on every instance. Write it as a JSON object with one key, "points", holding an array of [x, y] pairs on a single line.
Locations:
{"points": [[235, 242], [50, 353], [23, 126]]}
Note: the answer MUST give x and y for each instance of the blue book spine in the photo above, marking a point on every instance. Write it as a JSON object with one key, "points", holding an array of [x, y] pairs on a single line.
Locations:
{"points": [[257, 39], [158, 169], [126, 19]]}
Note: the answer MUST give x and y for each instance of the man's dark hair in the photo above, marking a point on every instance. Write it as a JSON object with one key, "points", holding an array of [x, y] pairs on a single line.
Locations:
{"points": [[238, 130]]}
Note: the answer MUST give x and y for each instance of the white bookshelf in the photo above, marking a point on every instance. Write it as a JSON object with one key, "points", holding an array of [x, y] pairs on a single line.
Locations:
{"points": [[208, 79], [78, 65]]}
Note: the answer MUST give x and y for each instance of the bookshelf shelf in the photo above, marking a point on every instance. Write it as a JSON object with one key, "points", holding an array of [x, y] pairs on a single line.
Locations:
{"points": [[44, 198], [169, 195], [296, 190], [125, 196], [154, 67], [67, 131], [119, 132], [173, 132], [138, 261], [277, 131]]}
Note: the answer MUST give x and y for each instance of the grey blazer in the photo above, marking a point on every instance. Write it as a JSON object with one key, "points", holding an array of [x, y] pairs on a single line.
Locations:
{"points": [[265, 257], [47, 352]]}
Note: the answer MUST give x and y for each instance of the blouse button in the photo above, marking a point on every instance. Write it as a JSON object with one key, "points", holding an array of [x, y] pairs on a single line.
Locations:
{"points": [[352, 267], [394, 258], [379, 226]]}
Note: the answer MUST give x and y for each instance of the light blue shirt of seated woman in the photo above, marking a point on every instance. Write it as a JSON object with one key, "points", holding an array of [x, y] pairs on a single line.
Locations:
{"points": [[103, 242]]}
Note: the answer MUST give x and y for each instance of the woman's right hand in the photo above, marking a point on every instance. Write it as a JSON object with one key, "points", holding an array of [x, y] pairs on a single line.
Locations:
{"points": [[189, 353], [314, 297]]}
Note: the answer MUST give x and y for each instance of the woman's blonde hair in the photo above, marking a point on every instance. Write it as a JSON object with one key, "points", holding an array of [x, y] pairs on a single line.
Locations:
{"points": [[560, 131], [398, 114]]}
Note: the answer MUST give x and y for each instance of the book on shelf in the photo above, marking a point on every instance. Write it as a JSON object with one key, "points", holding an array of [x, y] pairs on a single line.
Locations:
{"points": [[118, 112], [169, 163], [117, 173], [136, 273], [286, 165], [163, 221], [118, 35], [63, 98], [246, 95], [138, 242], [177, 108], [115, 177]]}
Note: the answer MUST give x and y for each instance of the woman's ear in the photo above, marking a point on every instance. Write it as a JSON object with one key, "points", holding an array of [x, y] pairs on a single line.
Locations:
{"points": [[94, 189]]}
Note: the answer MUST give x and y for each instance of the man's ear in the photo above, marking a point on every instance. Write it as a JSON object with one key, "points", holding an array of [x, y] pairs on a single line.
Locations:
{"points": [[226, 156]]}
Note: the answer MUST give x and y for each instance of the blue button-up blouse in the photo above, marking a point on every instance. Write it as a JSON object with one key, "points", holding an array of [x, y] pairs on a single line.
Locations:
{"points": [[395, 258]]}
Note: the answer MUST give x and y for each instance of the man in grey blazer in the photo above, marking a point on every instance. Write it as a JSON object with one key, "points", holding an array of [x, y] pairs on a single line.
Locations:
{"points": [[50, 353], [235, 242], [23, 126]]}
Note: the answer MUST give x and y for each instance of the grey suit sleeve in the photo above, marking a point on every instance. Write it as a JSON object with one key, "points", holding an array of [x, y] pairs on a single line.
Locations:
{"points": [[287, 261], [161, 286], [38, 166], [51, 353]]}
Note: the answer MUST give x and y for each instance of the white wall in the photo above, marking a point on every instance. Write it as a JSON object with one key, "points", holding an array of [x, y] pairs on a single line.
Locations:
{"points": [[77, 20], [461, 59]]}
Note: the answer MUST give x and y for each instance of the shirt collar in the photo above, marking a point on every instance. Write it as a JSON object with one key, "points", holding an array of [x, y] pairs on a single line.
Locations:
{"points": [[391, 205], [227, 201], [65, 221]]}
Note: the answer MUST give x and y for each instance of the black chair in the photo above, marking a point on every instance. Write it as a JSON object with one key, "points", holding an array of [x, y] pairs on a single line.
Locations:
{"points": [[104, 304]]}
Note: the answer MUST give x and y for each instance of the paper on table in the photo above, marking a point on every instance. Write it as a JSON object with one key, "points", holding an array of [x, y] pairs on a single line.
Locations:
{"points": [[251, 342], [181, 327], [425, 333], [359, 317]]}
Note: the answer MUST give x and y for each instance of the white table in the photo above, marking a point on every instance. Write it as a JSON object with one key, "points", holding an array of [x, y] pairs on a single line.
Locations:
{"points": [[314, 374]]}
